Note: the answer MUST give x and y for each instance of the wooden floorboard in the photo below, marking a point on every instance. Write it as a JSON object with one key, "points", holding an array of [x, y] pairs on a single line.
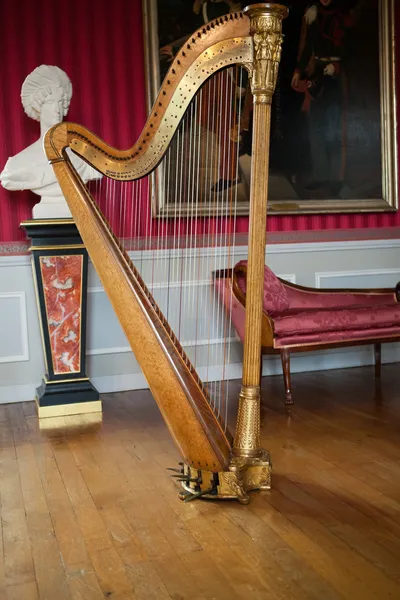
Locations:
{"points": [[89, 512]]}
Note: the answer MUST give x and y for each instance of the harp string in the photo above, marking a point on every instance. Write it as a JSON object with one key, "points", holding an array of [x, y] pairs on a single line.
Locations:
{"points": [[181, 181], [211, 180], [237, 108], [176, 254], [197, 262], [221, 177], [226, 175], [168, 252], [220, 171], [229, 176], [232, 245], [210, 170], [228, 239], [188, 296], [189, 216], [195, 231]]}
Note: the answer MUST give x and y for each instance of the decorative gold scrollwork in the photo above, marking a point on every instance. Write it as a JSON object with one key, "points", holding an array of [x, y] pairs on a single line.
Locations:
{"points": [[266, 29], [247, 438]]}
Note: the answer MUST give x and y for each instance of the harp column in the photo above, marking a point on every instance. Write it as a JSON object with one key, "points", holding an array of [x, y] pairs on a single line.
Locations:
{"points": [[266, 30]]}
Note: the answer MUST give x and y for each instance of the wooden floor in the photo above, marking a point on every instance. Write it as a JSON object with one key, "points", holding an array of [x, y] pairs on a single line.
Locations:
{"points": [[90, 514]]}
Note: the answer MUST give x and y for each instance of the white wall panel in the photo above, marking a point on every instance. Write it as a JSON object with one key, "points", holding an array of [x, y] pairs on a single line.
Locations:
{"points": [[13, 327], [111, 364], [379, 278], [104, 333], [19, 377]]}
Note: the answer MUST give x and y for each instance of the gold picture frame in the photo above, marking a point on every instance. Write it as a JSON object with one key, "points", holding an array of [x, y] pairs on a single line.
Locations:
{"points": [[383, 118]]}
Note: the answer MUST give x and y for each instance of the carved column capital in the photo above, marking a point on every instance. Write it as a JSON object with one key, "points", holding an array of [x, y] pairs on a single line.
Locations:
{"points": [[266, 30]]}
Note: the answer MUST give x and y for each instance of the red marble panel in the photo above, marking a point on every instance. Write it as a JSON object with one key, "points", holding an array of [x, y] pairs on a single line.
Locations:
{"points": [[62, 285]]}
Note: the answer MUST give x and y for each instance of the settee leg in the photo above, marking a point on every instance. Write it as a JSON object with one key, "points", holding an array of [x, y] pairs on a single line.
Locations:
{"points": [[285, 358], [378, 360]]}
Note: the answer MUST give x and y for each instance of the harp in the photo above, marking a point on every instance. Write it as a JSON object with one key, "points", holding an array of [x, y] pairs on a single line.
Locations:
{"points": [[214, 463]]}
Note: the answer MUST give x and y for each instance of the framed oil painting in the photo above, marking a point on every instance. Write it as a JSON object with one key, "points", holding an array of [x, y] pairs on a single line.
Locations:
{"points": [[333, 130]]}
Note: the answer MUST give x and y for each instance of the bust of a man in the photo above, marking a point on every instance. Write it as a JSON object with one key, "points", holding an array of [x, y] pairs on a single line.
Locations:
{"points": [[46, 95]]}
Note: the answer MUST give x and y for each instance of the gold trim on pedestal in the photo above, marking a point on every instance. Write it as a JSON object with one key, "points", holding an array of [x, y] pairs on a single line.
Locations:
{"points": [[68, 423], [66, 247], [62, 410], [72, 380], [41, 222]]}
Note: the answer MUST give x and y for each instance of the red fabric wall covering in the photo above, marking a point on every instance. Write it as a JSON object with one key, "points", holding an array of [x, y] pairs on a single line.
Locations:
{"points": [[99, 45]]}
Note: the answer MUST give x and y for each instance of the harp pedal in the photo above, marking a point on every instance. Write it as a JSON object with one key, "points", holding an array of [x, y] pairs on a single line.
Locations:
{"points": [[188, 497], [181, 465], [187, 478], [244, 475]]}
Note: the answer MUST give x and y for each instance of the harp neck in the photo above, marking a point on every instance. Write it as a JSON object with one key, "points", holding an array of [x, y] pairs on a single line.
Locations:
{"points": [[222, 42]]}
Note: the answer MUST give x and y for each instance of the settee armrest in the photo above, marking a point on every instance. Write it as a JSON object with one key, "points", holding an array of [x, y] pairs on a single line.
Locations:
{"points": [[234, 300]]}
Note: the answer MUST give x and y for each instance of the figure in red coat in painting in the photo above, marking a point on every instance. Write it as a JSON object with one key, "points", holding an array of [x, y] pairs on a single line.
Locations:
{"points": [[320, 75]]}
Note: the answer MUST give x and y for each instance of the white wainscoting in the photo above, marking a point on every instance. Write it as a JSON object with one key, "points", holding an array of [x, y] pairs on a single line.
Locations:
{"points": [[379, 278], [111, 364], [21, 354], [13, 327]]}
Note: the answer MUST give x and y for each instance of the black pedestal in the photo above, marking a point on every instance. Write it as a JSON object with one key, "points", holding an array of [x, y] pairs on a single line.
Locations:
{"points": [[60, 267]]}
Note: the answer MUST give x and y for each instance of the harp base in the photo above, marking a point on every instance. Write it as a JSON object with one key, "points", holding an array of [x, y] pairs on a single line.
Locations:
{"points": [[245, 474]]}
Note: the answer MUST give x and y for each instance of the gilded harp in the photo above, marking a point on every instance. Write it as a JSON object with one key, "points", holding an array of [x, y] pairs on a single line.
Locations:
{"points": [[189, 135]]}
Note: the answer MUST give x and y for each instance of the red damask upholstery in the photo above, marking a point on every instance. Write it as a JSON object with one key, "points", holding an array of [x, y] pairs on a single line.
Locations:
{"points": [[370, 336], [296, 322], [315, 299]]}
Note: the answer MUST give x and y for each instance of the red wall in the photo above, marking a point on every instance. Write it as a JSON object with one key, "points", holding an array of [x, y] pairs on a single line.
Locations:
{"points": [[99, 44]]}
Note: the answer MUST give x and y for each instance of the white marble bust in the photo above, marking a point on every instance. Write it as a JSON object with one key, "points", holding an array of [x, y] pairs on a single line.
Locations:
{"points": [[46, 95]]}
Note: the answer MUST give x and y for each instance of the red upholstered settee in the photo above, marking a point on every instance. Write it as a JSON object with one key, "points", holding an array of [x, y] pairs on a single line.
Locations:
{"points": [[299, 319]]}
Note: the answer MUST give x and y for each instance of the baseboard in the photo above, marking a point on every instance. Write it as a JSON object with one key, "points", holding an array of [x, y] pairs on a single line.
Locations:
{"points": [[119, 383], [311, 361], [17, 393]]}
